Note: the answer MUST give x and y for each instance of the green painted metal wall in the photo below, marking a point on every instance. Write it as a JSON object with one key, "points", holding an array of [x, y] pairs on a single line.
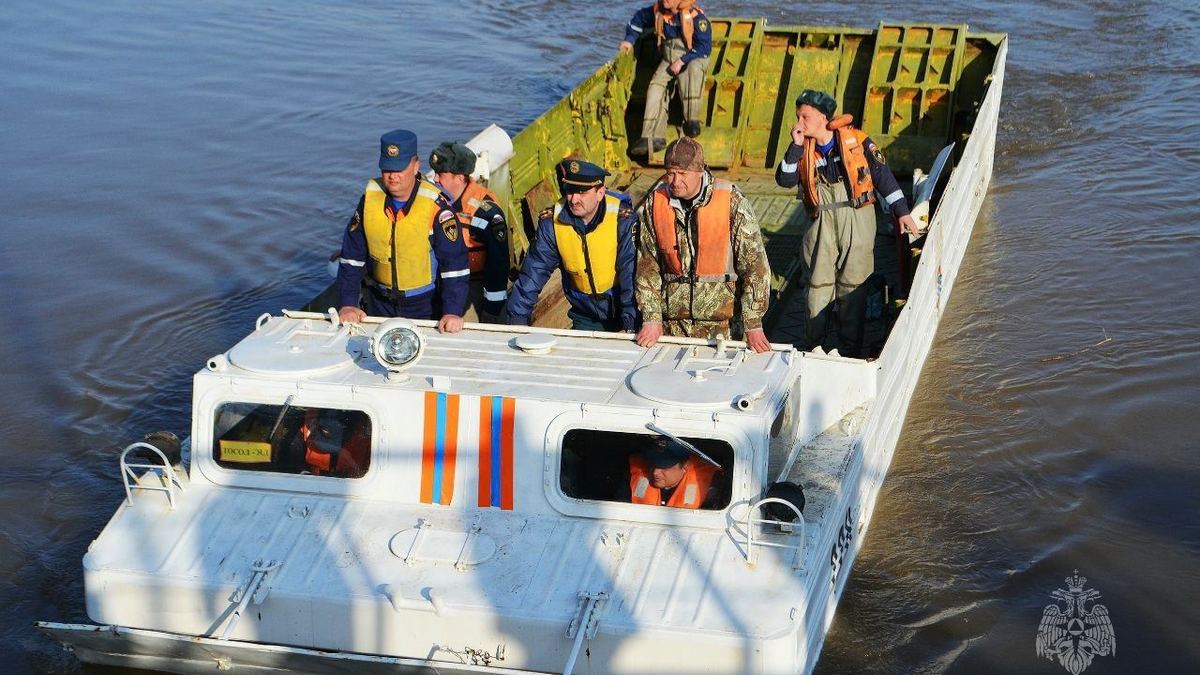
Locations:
{"points": [[914, 88]]}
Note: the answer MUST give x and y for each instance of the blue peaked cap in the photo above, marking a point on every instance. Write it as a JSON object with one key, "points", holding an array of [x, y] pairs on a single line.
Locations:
{"points": [[396, 149]]}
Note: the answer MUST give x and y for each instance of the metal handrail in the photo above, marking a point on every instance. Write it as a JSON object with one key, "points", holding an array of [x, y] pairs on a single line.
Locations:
{"points": [[750, 521], [164, 471]]}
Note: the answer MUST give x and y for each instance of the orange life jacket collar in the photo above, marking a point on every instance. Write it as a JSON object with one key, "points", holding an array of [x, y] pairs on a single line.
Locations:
{"points": [[852, 150], [690, 493], [713, 258], [685, 14]]}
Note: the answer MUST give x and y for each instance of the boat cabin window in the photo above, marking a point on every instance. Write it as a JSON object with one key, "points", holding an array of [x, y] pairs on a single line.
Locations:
{"points": [[292, 439], [645, 469]]}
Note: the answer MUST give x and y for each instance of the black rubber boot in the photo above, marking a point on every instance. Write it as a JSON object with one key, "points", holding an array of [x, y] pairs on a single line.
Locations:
{"points": [[659, 144], [641, 148], [691, 128]]}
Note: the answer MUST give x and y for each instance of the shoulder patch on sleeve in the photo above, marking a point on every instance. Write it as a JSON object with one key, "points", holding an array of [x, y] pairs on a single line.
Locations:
{"points": [[355, 222], [876, 152], [702, 25], [546, 213], [449, 225]]}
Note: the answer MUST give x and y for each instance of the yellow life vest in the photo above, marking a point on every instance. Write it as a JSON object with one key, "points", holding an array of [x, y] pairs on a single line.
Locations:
{"points": [[401, 256], [590, 261]]}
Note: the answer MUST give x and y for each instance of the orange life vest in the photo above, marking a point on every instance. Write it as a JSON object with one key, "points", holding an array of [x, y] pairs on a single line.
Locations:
{"points": [[686, 12], [853, 151], [472, 198], [689, 493], [352, 460], [713, 260]]}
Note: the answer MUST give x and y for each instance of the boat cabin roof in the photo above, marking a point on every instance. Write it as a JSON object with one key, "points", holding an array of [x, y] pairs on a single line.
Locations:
{"points": [[488, 360]]}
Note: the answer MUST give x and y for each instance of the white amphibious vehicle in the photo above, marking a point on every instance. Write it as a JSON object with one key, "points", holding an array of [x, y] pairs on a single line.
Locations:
{"points": [[385, 498]]}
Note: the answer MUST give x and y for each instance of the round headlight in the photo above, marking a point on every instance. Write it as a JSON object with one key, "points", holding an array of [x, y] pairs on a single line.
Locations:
{"points": [[396, 344]]}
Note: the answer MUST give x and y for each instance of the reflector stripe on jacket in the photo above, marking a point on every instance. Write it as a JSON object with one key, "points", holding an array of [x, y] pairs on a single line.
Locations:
{"points": [[440, 447], [497, 415]]}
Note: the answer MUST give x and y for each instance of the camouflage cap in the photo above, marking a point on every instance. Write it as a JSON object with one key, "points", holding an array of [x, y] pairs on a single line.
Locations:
{"points": [[684, 154], [819, 100]]}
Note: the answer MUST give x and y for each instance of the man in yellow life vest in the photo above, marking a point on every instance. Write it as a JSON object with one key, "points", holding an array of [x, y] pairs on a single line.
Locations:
{"points": [[588, 234], [684, 39], [702, 268], [839, 170], [404, 242], [484, 230]]}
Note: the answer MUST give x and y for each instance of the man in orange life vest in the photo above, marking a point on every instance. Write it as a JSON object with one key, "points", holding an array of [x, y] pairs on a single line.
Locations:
{"points": [[702, 268], [404, 239], [589, 235], [684, 39], [335, 444], [484, 230], [667, 474], [838, 170]]}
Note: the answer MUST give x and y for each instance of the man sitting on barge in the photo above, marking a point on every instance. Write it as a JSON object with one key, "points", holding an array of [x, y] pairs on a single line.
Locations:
{"points": [[404, 238], [702, 267], [684, 38], [589, 235], [484, 230]]}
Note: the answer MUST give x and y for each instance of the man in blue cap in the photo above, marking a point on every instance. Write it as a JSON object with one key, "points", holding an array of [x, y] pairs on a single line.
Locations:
{"points": [[404, 239], [589, 235]]}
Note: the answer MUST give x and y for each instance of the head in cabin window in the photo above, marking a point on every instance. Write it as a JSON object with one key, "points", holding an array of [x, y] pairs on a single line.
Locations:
{"points": [[398, 162], [667, 461]]}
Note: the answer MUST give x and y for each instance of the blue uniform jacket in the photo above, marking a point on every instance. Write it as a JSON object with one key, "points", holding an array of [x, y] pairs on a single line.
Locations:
{"points": [[543, 259], [787, 174], [451, 269], [643, 23]]}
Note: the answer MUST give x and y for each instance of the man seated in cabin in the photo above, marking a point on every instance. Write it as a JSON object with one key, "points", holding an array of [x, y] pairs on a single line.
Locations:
{"points": [[335, 444], [668, 474], [702, 268], [484, 230], [404, 239], [684, 39], [589, 235], [838, 170]]}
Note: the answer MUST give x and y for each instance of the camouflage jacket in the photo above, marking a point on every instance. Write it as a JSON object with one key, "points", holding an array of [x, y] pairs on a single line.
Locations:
{"points": [[743, 300]]}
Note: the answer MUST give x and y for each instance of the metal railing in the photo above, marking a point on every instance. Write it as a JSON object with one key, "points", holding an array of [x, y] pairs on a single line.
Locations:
{"points": [[164, 471], [797, 527]]}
